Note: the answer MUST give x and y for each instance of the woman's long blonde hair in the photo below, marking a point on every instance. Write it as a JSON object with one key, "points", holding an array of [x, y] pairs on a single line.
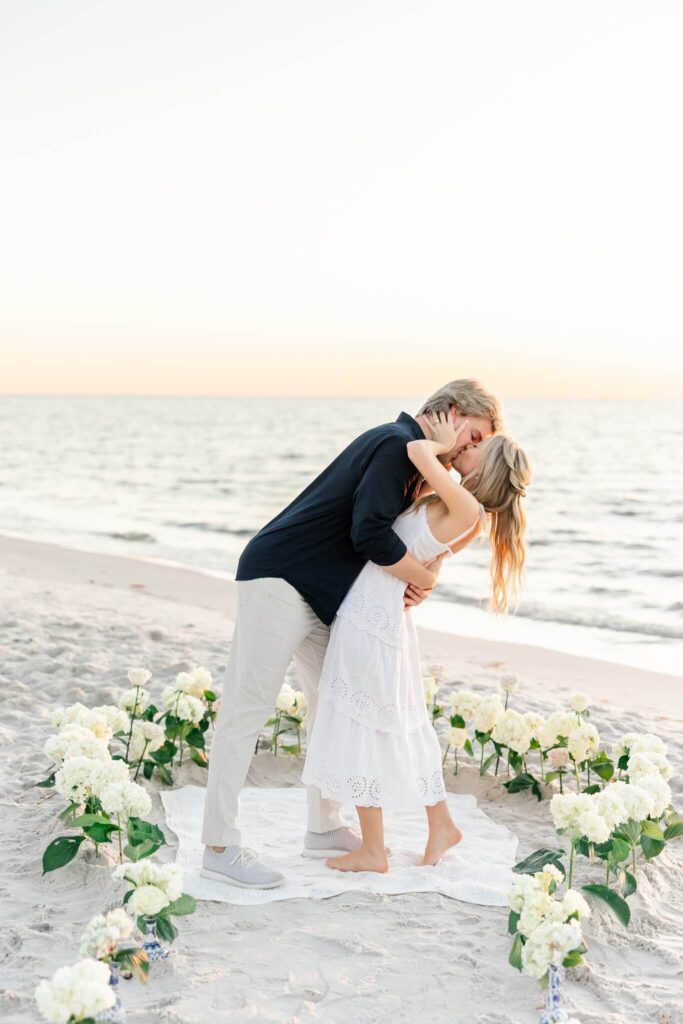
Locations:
{"points": [[499, 482]]}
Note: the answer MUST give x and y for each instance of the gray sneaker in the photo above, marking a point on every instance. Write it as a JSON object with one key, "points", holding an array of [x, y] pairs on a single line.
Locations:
{"points": [[240, 866], [336, 843]]}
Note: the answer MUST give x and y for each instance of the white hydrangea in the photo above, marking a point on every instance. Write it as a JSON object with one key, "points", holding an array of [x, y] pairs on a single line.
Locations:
{"points": [[71, 715], [642, 764], [148, 900], [75, 741], [194, 683], [106, 773], [583, 742], [76, 992], [579, 702], [134, 701], [126, 799], [521, 890], [73, 778], [593, 826], [487, 713], [549, 943], [145, 737], [637, 801], [534, 721], [431, 688], [574, 903], [549, 876], [509, 684], [623, 744], [137, 677], [611, 807], [464, 703], [658, 792], [538, 907], [103, 933], [182, 705], [578, 815], [116, 718], [167, 877], [648, 743], [512, 730], [456, 737], [558, 724]]}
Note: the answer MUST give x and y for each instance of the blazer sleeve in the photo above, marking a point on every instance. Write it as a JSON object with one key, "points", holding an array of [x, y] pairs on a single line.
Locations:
{"points": [[378, 499]]}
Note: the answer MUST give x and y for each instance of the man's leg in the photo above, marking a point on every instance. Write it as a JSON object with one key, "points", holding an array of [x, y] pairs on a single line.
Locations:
{"points": [[272, 620], [323, 814]]}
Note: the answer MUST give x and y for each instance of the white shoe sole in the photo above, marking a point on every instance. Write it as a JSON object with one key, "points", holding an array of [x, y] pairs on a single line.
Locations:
{"points": [[218, 876], [322, 854]]}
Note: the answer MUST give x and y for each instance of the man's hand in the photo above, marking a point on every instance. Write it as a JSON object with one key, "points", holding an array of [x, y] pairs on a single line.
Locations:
{"points": [[416, 595]]}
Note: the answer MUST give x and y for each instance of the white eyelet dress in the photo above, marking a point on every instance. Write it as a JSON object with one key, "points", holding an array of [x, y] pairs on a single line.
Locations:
{"points": [[373, 743]]}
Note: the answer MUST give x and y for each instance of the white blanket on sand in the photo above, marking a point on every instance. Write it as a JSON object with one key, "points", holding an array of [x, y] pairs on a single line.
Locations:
{"points": [[478, 870]]}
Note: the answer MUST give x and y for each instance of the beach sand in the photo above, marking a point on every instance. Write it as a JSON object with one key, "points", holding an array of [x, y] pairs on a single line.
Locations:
{"points": [[72, 623]]}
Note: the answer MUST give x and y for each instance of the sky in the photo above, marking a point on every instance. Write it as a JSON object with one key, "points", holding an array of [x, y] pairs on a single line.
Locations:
{"points": [[367, 197]]}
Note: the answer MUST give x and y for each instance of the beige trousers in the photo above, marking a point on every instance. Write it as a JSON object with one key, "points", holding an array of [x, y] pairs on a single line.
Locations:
{"points": [[273, 625]]}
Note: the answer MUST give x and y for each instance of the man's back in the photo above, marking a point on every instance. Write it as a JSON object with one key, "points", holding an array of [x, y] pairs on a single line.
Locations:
{"points": [[344, 518]]}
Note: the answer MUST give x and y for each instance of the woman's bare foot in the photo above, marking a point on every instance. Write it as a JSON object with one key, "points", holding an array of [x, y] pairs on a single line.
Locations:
{"points": [[439, 840], [359, 860]]}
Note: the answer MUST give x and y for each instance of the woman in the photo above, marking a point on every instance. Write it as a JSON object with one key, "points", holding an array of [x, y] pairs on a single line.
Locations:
{"points": [[373, 743]]}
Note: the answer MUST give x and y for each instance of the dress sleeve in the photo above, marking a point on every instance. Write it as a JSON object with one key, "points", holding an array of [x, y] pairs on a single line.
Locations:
{"points": [[378, 499]]}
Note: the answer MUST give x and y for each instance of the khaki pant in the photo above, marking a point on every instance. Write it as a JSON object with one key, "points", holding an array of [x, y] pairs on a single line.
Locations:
{"points": [[273, 624]]}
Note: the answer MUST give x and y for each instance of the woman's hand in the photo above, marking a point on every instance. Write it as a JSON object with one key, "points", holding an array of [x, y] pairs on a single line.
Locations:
{"points": [[444, 433]]}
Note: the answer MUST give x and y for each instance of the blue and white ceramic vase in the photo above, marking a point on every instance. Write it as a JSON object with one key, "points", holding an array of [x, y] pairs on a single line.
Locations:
{"points": [[151, 945], [553, 1012], [114, 1014]]}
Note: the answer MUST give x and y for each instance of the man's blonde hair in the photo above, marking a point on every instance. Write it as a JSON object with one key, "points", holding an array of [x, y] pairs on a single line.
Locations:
{"points": [[470, 399]]}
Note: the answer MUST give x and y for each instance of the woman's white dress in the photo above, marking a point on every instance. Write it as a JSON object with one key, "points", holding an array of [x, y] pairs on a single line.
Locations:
{"points": [[373, 743]]}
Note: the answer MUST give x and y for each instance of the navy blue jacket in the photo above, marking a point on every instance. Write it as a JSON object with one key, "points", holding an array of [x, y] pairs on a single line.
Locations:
{"points": [[342, 520]]}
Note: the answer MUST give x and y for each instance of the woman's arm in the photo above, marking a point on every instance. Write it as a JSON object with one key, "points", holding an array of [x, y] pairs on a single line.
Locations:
{"points": [[412, 571], [458, 500]]}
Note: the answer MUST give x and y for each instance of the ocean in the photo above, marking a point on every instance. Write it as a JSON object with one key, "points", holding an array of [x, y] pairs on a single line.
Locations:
{"points": [[191, 479]]}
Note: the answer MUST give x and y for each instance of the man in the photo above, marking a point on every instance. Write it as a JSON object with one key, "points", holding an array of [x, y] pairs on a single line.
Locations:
{"points": [[291, 578]]}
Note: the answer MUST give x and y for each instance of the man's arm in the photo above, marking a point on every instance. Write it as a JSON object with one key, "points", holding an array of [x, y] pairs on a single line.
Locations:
{"points": [[377, 501]]}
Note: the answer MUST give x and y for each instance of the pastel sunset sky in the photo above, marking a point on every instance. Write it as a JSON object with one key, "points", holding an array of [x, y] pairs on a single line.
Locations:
{"points": [[366, 197]]}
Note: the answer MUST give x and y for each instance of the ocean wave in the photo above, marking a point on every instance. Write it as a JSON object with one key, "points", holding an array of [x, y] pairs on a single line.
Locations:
{"points": [[137, 536], [212, 528], [591, 618]]}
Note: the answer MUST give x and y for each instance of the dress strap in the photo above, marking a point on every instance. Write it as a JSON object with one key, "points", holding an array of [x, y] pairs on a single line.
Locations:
{"points": [[482, 516]]}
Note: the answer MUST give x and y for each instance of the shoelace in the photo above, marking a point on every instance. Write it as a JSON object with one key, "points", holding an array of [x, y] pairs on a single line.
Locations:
{"points": [[246, 857]]}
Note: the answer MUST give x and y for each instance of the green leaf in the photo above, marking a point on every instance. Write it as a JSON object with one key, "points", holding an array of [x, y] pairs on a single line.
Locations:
{"points": [[139, 831], [622, 763], [142, 850], [515, 957], [613, 900], [513, 918], [674, 830], [593, 788], [101, 832], [524, 781], [46, 783], [457, 721], [291, 748], [128, 896], [165, 775], [603, 767], [183, 905], [651, 847], [538, 859], [195, 738], [165, 753], [148, 769], [630, 884], [652, 829], [60, 851], [135, 961], [620, 851], [84, 820], [166, 930], [572, 959], [68, 811], [549, 776], [488, 761], [199, 757], [210, 696], [469, 748]]}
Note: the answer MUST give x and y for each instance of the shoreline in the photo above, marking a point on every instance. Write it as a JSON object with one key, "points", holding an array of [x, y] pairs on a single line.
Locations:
{"points": [[215, 593]]}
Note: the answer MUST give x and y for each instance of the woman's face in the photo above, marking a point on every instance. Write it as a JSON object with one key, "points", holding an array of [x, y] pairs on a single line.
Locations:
{"points": [[468, 460]]}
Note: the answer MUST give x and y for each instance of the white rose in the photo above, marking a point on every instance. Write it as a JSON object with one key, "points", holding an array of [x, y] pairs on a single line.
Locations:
{"points": [[182, 705], [579, 702], [464, 703], [145, 737], [534, 721], [148, 900], [437, 670], [76, 992], [487, 713], [134, 701], [509, 684], [171, 880], [126, 799], [138, 676], [286, 701], [431, 688], [103, 933], [456, 737]]}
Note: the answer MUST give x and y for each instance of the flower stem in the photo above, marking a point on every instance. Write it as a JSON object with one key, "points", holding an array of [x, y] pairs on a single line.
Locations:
{"points": [[576, 772], [118, 819], [137, 770], [132, 719], [448, 747], [561, 777], [571, 865], [455, 751]]}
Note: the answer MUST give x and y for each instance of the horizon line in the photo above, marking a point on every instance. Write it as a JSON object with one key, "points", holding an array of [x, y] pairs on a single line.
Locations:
{"points": [[300, 397]]}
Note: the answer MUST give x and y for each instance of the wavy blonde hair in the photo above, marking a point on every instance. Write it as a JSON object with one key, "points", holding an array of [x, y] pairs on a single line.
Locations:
{"points": [[499, 482]]}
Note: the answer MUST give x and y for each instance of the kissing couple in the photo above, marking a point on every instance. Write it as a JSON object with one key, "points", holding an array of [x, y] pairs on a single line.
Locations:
{"points": [[331, 582]]}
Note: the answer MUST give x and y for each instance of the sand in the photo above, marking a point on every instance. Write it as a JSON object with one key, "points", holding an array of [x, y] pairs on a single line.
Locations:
{"points": [[71, 623]]}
